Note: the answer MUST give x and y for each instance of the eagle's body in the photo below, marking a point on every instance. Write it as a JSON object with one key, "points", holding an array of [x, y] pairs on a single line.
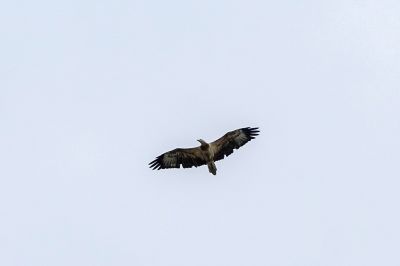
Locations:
{"points": [[206, 153]]}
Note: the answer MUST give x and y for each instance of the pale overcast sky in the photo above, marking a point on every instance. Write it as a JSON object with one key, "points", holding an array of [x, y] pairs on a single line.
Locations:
{"points": [[92, 91]]}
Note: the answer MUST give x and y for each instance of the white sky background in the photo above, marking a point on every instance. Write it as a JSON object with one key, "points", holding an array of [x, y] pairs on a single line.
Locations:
{"points": [[92, 91]]}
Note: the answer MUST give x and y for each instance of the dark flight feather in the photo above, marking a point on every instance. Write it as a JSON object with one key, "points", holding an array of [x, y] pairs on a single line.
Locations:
{"points": [[235, 139]]}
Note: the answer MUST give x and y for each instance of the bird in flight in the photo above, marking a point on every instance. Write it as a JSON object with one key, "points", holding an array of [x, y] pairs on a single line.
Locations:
{"points": [[206, 153]]}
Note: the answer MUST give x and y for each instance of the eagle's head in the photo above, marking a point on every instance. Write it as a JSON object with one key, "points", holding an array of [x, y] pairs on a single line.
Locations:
{"points": [[202, 142]]}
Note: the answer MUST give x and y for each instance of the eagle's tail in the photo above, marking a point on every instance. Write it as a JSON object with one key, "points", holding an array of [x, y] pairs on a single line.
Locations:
{"points": [[212, 168]]}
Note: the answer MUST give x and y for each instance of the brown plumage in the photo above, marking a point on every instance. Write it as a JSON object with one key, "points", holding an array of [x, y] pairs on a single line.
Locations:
{"points": [[206, 153]]}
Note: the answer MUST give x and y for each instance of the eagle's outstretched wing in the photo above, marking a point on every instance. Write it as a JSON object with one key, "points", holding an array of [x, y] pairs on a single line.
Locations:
{"points": [[175, 158], [225, 145]]}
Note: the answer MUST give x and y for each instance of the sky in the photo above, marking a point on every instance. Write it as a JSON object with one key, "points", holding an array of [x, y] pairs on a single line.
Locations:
{"points": [[92, 91]]}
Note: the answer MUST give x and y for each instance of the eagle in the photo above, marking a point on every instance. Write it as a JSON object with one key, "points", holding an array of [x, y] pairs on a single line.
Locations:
{"points": [[206, 153]]}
